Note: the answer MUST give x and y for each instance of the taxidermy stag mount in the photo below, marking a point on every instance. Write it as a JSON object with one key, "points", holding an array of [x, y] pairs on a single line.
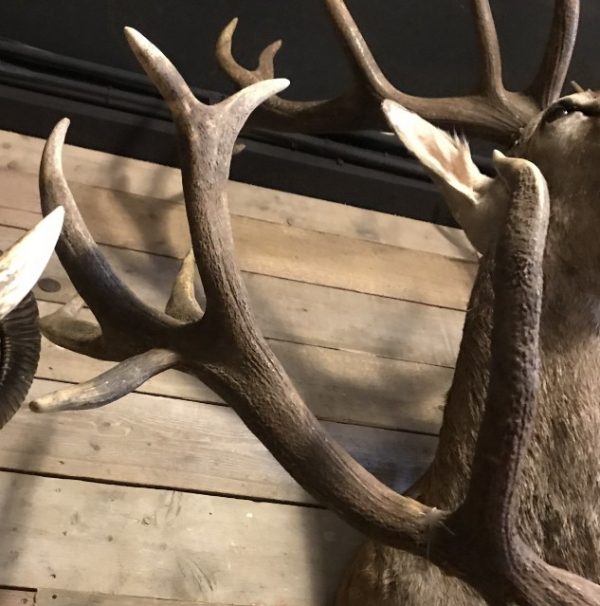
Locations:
{"points": [[508, 511], [20, 267]]}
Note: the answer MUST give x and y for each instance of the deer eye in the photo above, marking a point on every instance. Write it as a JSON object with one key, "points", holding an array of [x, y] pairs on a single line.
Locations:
{"points": [[560, 110]]}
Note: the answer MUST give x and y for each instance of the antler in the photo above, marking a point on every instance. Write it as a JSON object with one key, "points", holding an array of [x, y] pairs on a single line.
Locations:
{"points": [[492, 112], [222, 346], [20, 267]]}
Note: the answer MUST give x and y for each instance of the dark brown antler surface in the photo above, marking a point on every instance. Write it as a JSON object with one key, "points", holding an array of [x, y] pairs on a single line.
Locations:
{"points": [[492, 112], [222, 346]]}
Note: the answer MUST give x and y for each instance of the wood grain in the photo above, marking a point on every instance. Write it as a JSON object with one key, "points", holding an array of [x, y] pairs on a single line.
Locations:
{"points": [[21, 153], [157, 441], [160, 227], [91, 537]]}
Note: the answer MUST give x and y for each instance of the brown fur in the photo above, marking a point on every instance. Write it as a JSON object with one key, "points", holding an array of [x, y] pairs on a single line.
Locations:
{"points": [[560, 500]]}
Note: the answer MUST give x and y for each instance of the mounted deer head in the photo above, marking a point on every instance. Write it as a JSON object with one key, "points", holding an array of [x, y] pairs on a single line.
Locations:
{"points": [[20, 268], [501, 515]]}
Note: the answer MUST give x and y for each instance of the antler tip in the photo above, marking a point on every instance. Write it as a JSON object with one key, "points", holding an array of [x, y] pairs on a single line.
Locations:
{"points": [[261, 91], [145, 52], [59, 133], [230, 28], [45, 404]]}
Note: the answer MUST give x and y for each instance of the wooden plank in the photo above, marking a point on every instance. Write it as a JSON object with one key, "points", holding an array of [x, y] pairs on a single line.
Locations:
{"points": [[337, 385], [295, 311], [59, 597], [165, 442], [92, 537], [15, 597], [160, 227], [89, 167]]}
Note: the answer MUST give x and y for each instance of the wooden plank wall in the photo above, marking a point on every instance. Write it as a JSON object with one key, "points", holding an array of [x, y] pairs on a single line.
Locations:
{"points": [[165, 494]]}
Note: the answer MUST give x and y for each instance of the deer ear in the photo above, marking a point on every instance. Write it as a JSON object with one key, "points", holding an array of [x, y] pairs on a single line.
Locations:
{"points": [[477, 202]]}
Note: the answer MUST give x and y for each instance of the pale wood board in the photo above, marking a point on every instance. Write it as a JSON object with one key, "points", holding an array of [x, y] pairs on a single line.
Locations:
{"points": [[14, 597], [337, 385], [90, 537], [294, 311], [192, 446], [22, 153], [59, 597], [160, 227]]}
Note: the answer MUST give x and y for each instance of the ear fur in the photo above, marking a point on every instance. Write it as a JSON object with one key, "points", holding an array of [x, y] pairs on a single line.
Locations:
{"points": [[477, 202]]}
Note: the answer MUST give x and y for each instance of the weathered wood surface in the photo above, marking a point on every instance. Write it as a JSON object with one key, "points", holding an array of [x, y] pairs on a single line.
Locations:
{"points": [[339, 376], [300, 312], [21, 153], [56, 597], [159, 226], [296, 311], [13, 597], [93, 537], [341, 386], [193, 446]]}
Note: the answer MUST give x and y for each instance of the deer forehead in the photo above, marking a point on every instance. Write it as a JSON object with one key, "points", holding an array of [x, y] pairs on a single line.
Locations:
{"points": [[562, 125]]}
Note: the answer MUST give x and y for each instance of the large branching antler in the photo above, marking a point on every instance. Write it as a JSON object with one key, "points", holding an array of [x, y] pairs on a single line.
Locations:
{"points": [[222, 346], [492, 112]]}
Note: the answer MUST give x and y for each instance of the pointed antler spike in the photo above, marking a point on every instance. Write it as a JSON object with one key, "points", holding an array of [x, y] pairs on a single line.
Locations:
{"points": [[182, 303], [266, 61], [488, 42], [110, 385], [548, 83], [106, 295], [162, 72]]}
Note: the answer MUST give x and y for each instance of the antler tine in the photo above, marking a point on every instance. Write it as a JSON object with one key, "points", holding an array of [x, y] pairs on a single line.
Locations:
{"points": [[548, 83], [110, 300], [488, 41], [182, 303], [110, 385], [23, 263], [492, 498]]}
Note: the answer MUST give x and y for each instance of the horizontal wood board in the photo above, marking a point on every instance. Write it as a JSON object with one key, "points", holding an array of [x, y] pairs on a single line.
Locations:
{"points": [[22, 154], [93, 537], [158, 226], [187, 445]]}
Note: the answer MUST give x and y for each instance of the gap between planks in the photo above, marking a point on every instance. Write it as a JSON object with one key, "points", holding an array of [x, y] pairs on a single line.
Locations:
{"points": [[91, 537], [16, 597]]}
